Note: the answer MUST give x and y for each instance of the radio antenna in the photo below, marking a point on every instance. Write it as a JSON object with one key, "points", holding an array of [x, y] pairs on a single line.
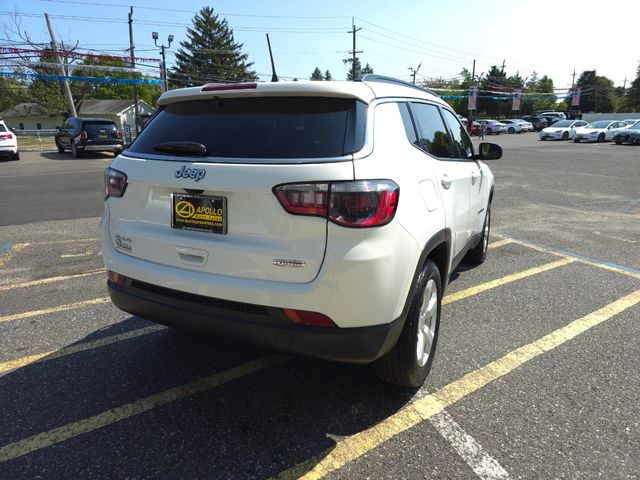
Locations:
{"points": [[274, 75]]}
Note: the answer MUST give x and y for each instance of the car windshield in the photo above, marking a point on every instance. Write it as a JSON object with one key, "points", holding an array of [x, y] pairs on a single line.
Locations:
{"points": [[562, 124], [599, 124], [260, 128], [635, 126]]}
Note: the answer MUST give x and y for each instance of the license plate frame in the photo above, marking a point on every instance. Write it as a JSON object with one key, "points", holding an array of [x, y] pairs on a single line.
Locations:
{"points": [[200, 213]]}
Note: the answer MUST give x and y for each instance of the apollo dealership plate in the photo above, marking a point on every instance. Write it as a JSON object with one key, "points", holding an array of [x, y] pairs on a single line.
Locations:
{"points": [[203, 213]]}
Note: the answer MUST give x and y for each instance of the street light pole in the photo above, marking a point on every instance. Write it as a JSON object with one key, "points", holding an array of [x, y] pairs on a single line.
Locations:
{"points": [[163, 67]]}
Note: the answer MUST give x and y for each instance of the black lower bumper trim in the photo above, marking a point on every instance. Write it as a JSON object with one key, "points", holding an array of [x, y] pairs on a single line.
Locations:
{"points": [[266, 326]]}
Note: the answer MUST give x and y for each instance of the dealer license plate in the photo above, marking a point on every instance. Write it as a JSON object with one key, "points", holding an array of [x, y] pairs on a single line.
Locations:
{"points": [[203, 213]]}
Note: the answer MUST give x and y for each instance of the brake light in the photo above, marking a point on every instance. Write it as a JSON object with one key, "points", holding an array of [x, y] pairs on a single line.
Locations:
{"points": [[83, 135], [6, 135], [304, 317], [115, 183], [120, 134], [232, 86], [363, 203]]}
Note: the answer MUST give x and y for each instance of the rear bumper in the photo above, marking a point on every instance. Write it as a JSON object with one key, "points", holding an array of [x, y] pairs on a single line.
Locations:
{"points": [[257, 324], [100, 148]]}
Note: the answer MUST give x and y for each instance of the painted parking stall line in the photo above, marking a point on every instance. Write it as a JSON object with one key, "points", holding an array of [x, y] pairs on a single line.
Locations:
{"points": [[7, 250], [44, 281], [423, 409], [59, 308], [111, 416]]}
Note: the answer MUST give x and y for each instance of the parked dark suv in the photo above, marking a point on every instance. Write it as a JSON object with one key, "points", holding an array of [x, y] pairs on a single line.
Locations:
{"points": [[89, 135], [538, 122]]}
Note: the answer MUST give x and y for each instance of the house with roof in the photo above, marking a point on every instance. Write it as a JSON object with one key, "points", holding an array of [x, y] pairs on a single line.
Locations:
{"points": [[31, 116], [120, 111]]}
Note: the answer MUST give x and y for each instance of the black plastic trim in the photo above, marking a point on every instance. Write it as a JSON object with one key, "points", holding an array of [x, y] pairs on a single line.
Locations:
{"points": [[262, 325]]}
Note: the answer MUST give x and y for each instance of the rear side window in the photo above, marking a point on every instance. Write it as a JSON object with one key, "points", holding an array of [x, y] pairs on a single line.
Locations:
{"points": [[432, 134], [260, 128], [2, 129]]}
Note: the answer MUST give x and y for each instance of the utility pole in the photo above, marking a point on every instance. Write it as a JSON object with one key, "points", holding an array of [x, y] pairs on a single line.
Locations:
{"points": [[163, 67], [573, 79], [136, 108], [503, 65], [414, 71], [65, 83], [354, 51], [469, 116]]}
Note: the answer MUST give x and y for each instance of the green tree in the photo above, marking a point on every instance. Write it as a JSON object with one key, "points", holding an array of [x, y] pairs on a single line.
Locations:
{"points": [[12, 92], [355, 73], [492, 84], [632, 95], [210, 54], [316, 75], [598, 93], [111, 91], [327, 76]]}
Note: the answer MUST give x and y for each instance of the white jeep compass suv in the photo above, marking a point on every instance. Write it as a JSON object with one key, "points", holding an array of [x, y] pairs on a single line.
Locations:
{"points": [[321, 218]]}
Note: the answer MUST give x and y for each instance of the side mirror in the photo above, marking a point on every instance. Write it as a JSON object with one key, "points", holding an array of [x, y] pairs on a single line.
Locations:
{"points": [[489, 151]]}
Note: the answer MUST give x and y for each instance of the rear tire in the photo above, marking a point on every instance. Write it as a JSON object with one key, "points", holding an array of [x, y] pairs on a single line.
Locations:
{"points": [[511, 130], [16, 156], [478, 254], [60, 147], [409, 362], [488, 131]]}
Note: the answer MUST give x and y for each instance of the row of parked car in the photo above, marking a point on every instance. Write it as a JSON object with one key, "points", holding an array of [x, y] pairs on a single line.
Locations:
{"points": [[527, 123], [619, 131]]}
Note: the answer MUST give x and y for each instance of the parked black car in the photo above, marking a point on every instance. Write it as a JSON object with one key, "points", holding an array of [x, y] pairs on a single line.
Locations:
{"points": [[89, 135], [628, 135], [538, 122]]}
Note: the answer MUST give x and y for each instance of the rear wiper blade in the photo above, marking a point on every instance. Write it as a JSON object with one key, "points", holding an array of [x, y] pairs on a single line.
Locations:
{"points": [[188, 149]]}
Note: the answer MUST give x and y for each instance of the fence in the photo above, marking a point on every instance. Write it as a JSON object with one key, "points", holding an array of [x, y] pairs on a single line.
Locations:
{"points": [[36, 139]]}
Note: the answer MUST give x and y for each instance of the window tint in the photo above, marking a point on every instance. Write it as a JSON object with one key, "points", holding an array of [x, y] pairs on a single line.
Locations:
{"points": [[2, 129], [408, 123], [432, 134], [96, 126], [462, 142], [260, 128]]}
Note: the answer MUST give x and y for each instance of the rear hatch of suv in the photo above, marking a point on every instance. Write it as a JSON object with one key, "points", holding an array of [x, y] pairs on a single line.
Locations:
{"points": [[201, 177], [100, 132]]}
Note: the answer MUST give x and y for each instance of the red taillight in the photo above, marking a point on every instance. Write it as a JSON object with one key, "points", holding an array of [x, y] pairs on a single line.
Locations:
{"points": [[115, 183], [232, 86], [6, 135], [304, 317], [304, 198], [120, 134], [83, 135], [364, 203]]}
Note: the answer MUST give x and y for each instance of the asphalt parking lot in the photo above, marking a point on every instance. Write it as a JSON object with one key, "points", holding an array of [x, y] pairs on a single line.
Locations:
{"points": [[536, 373]]}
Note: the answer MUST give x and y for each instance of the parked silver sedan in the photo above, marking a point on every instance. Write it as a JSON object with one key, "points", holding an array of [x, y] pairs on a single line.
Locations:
{"points": [[600, 131], [562, 130]]}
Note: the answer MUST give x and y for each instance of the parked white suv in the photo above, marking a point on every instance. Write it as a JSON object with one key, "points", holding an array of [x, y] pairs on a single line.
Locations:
{"points": [[321, 218], [8, 142]]}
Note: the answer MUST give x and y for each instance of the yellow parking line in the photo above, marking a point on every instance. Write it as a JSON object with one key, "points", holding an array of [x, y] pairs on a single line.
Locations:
{"points": [[56, 242], [427, 407], [59, 308], [504, 280], [43, 281], [117, 414], [14, 249], [80, 347], [500, 243]]}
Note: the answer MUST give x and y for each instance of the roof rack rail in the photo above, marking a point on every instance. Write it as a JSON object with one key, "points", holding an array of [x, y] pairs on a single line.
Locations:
{"points": [[370, 77]]}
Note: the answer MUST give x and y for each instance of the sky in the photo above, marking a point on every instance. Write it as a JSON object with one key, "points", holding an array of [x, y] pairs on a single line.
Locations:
{"points": [[438, 39]]}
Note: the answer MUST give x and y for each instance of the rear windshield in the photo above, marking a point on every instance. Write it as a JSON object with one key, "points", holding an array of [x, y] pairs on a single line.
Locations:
{"points": [[260, 128], [95, 126]]}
